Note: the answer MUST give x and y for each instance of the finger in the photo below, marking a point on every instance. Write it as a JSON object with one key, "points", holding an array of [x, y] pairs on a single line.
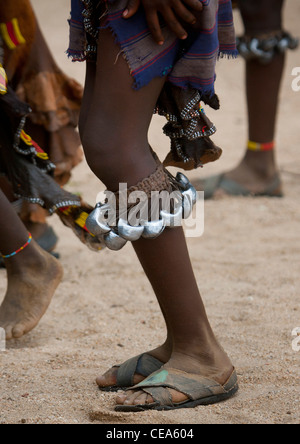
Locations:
{"points": [[154, 26], [183, 13], [197, 5], [172, 22], [132, 8]]}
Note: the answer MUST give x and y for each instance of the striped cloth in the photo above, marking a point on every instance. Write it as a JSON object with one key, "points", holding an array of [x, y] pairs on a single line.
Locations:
{"points": [[189, 65], [186, 63]]}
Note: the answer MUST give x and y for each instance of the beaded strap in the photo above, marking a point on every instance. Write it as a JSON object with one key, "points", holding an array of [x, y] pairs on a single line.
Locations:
{"points": [[19, 250], [254, 146], [158, 181]]}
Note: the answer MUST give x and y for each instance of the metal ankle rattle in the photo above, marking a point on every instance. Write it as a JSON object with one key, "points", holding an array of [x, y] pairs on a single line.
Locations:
{"points": [[115, 236]]}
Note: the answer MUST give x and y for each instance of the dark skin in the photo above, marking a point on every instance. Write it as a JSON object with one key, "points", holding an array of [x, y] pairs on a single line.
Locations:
{"points": [[114, 127], [33, 276], [174, 12], [257, 169]]}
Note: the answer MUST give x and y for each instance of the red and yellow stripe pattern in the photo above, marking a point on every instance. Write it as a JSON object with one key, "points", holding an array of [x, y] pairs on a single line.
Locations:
{"points": [[254, 146], [80, 220], [3, 80], [29, 142], [11, 34]]}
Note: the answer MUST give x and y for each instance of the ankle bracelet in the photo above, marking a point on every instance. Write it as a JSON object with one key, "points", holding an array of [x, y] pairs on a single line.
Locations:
{"points": [[163, 202], [19, 250], [254, 146]]}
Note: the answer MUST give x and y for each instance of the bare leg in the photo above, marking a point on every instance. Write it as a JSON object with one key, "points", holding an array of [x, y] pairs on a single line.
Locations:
{"points": [[33, 217], [33, 276], [117, 149], [258, 169], [195, 348]]}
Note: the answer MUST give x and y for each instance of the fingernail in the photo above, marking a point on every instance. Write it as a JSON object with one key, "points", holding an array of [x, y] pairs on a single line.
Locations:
{"points": [[125, 13], [161, 43]]}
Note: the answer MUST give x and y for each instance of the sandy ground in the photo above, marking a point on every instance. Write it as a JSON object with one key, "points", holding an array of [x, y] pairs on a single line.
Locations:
{"points": [[246, 263]]}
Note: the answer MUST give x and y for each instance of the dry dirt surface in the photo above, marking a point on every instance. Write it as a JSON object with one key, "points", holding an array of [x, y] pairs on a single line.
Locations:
{"points": [[246, 264]]}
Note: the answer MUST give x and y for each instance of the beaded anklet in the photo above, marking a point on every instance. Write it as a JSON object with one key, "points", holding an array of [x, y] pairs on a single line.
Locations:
{"points": [[19, 250], [254, 146]]}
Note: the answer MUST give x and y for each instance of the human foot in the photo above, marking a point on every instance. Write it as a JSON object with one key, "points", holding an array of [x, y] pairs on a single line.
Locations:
{"points": [[44, 235], [183, 382], [256, 173], [254, 176], [134, 370], [33, 277]]}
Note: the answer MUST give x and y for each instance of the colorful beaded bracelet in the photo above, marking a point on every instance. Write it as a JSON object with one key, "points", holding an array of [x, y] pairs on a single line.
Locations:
{"points": [[19, 250], [254, 146]]}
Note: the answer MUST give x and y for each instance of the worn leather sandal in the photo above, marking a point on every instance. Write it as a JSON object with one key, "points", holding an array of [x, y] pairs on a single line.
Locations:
{"points": [[143, 365], [199, 390], [232, 188]]}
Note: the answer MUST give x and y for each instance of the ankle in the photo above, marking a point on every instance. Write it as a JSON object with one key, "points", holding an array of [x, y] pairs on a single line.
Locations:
{"points": [[214, 364], [261, 163], [27, 260], [198, 352], [203, 347], [163, 352]]}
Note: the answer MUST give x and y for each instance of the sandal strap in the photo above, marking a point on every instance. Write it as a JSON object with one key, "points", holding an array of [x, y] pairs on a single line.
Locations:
{"points": [[160, 395], [143, 364], [147, 365], [193, 386]]}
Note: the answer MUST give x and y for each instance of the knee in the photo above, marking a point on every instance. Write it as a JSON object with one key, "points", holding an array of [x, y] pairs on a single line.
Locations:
{"points": [[100, 155], [116, 153], [261, 16], [108, 159]]}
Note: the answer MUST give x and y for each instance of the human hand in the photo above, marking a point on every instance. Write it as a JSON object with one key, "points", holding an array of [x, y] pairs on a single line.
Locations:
{"points": [[173, 11]]}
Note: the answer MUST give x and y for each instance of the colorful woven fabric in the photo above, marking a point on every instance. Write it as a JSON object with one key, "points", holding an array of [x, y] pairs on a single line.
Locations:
{"points": [[11, 33], [3, 80], [189, 63], [29, 142], [53, 97]]}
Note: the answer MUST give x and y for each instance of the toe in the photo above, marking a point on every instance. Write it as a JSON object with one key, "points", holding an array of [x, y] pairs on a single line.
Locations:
{"points": [[8, 332], [108, 379], [18, 331], [122, 397], [177, 397], [143, 399], [132, 397]]}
